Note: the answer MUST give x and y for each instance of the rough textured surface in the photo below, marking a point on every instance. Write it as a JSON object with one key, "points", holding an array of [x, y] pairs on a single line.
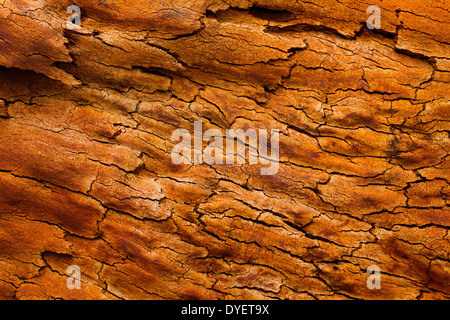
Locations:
{"points": [[86, 178]]}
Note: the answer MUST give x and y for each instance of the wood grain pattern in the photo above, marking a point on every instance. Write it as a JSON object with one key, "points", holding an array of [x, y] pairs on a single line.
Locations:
{"points": [[86, 177]]}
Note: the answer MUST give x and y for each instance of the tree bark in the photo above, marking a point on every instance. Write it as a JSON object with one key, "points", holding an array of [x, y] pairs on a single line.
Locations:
{"points": [[87, 179]]}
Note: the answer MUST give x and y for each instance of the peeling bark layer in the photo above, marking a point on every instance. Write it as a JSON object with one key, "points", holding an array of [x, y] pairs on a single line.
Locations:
{"points": [[86, 177]]}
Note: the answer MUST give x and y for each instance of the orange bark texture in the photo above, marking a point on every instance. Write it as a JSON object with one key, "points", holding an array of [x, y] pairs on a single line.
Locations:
{"points": [[86, 176]]}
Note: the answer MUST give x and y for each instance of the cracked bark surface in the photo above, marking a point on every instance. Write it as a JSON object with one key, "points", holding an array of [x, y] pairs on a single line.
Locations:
{"points": [[86, 178]]}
